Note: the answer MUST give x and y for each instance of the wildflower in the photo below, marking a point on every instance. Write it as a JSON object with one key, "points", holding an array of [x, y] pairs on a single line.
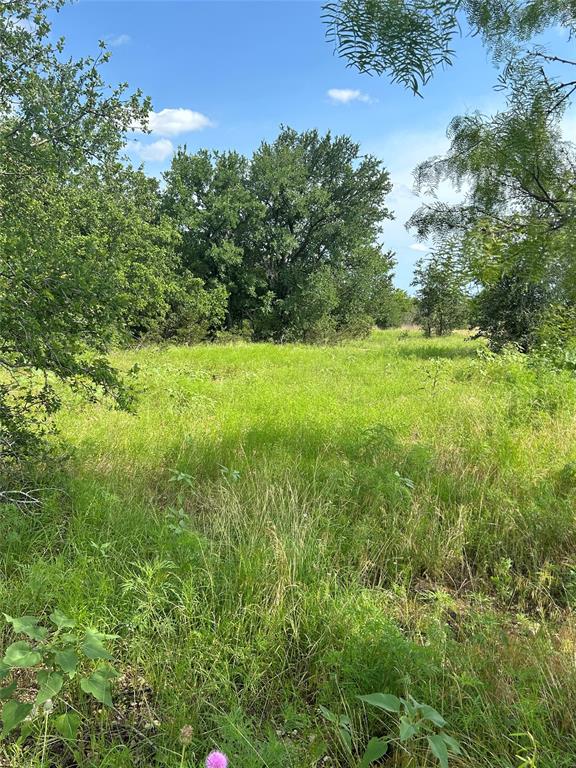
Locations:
{"points": [[216, 760]]}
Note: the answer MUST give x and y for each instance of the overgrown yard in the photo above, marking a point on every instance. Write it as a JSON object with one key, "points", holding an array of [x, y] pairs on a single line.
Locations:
{"points": [[280, 528]]}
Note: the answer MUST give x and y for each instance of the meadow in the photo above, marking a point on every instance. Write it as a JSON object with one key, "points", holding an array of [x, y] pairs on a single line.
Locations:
{"points": [[282, 528]]}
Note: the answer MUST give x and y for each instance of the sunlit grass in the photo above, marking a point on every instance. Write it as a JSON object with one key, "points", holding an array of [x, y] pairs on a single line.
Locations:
{"points": [[395, 514]]}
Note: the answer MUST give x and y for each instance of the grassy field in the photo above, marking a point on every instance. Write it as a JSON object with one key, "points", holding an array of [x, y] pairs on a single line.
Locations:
{"points": [[279, 528]]}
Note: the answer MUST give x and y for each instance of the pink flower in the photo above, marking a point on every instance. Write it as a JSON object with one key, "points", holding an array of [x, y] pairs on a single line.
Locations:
{"points": [[216, 760]]}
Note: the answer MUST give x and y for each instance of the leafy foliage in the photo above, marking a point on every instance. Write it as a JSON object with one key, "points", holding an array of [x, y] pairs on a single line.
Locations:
{"points": [[61, 257], [288, 237], [410, 39], [441, 300], [54, 657], [416, 723], [514, 169], [395, 307]]}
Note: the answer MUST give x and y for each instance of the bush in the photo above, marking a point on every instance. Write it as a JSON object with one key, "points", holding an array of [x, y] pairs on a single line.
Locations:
{"points": [[510, 311]]}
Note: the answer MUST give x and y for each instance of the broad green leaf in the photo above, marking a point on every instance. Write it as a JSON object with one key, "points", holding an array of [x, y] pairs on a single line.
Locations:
{"points": [[61, 620], [98, 684], [384, 701], [27, 625], [346, 738], [67, 660], [93, 647], [452, 744], [438, 748], [67, 725], [20, 654], [13, 713], [330, 716], [375, 749], [5, 693], [344, 721], [407, 729], [431, 714], [26, 729], [408, 705], [4, 670], [50, 685]]}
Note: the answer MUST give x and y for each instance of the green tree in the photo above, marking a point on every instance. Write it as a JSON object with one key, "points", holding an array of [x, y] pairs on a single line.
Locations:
{"points": [[61, 286], [208, 198], [516, 219], [290, 234], [394, 308], [323, 206], [441, 300], [510, 311]]}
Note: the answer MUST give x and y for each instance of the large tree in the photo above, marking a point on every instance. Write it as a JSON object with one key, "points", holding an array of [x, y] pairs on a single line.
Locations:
{"points": [[516, 219], [291, 234]]}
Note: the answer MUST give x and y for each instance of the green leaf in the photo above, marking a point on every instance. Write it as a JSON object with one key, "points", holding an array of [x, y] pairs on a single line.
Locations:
{"points": [[409, 706], [452, 744], [438, 748], [4, 670], [27, 625], [20, 654], [429, 713], [330, 716], [344, 721], [93, 647], [407, 729], [50, 685], [13, 713], [67, 725], [26, 729], [61, 620], [346, 738], [5, 693], [98, 684], [375, 749], [384, 701], [67, 660]]}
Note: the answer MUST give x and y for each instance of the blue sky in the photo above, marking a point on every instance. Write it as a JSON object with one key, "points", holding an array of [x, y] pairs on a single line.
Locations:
{"points": [[235, 70]]}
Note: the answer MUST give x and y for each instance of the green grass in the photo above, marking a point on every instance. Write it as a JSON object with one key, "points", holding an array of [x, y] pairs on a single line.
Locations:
{"points": [[396, 514]]}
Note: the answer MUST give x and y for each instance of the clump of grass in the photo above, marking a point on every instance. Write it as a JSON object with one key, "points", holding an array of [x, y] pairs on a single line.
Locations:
{"points": [[283, 528]]}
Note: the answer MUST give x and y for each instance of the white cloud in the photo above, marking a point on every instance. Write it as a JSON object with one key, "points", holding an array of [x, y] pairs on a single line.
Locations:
{"points": [[172, 122], [346, 95], [420, 247], [116, 40], [156, 152]]}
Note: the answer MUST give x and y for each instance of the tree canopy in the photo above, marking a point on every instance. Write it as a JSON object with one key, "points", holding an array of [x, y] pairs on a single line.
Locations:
{"points": [[289, 235], [410, 39], [517, 173], [66, 242]]}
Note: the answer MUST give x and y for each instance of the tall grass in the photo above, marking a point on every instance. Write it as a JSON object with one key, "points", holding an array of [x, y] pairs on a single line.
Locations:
{"points": [[283, 527]]}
